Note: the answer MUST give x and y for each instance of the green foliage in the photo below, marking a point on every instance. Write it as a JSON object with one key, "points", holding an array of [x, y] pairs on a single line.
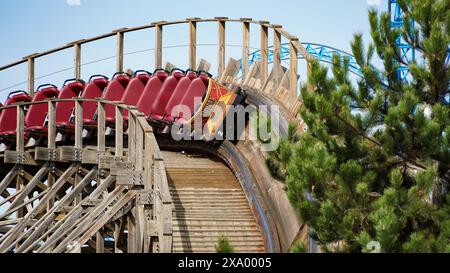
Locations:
{"points": [[223, 245], [376, 157], [298, 247]]}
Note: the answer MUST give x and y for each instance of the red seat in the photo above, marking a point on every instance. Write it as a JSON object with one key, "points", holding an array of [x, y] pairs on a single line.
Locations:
{"points": [[65, 109], [157, 111], [151, 91], [197, 89], [177, 96], [37, 113], [8, 117], [135, 89], [114, 92], [94, 90]]}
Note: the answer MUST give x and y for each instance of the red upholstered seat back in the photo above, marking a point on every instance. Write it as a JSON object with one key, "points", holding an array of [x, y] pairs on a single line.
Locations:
{"points": [[114, 92], [35, 117], [8, 117], [93, 90], [159, 104], [197, 89], [65, 109], [134, 90], [178, 94], [151, 91]]}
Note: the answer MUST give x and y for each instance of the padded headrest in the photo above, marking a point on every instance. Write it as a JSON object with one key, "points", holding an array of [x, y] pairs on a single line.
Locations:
{"points": [[162, 75], [20, 98], [123, 80], [49, 92], [191, 75], [100, 82], [205, 79], [76, 86], [143, 77], [178, 75]]}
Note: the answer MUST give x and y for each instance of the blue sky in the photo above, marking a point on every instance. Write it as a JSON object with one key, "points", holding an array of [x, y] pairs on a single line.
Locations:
{"points": [[34, 26]]}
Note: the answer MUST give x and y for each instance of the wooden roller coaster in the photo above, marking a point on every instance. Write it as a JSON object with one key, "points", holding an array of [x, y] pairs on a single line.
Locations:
{"points": [[91, 168]]}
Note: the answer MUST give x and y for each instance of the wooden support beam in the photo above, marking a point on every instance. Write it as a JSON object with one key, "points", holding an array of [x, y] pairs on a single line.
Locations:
{"points": [[221, 49], [264, 53], [119, 132], [31, 76], [119, 52], [78, 124], [77, 60], [4, 184], [293, 68], [276, 55], [20, 141], [245, 47], [101, 146], [158, 45], [192, 44], [51, 136]]}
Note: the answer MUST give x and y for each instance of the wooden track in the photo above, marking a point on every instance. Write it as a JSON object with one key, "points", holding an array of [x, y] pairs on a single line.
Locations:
{"points": [[208, 201]]}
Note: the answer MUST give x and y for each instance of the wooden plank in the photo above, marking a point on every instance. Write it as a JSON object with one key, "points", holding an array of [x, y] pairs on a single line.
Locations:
{"points": [[158, 46], [20, 141], [264, 53], [77, 60], [231, 70], [203, 65], [293, 67], [192, 44], [51, 125], [8, 178], [221, 49], [31, 76], [119, 51], [245, 47], [119, 132], [29, 187], [101, 146], [276, 56], [131, 227], [78, 124]]}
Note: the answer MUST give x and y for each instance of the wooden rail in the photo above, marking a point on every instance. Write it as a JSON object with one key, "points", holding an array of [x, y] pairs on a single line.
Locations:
{"points": [[139, 170], [279, 32]]}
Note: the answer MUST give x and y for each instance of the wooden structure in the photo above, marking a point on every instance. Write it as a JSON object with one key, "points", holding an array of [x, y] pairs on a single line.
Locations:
{"points": [[113, 194]]}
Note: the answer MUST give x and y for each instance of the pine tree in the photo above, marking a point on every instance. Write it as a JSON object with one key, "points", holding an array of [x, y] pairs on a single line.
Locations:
{"points": [[375, 162], [224, 246]]}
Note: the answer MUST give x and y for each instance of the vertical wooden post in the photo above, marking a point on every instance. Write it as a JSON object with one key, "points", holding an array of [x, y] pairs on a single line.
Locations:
{"points": [[192, 44], [293, 77], [158, 49], [20, 141], [51, 145], [276, 54], [119, 132], [264, 51], [221, 50], [77, 47], [101, 147], [99, 243], [309, 86], [119, 52], [31, 76], [51, 125], [245, 45], [78, 124], [132, 153]]}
